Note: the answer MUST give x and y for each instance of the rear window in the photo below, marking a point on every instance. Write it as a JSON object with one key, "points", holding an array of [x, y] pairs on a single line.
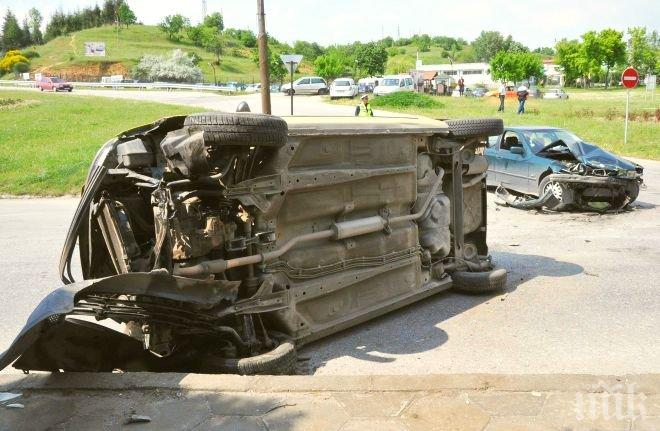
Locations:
{"points": [[342, 83], [56, 80]]}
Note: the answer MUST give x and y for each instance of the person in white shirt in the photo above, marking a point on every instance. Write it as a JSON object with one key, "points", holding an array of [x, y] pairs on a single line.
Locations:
{"points": [[502, 96]]}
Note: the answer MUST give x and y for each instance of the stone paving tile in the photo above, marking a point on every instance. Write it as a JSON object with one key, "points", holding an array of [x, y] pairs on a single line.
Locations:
{"points": [[648, 423], [373, 404], [365, 424], [41, 412], [521, 423], [445, 413], [567, 410], [244, 404], [305, 413], [232, 423], [509, 404]]}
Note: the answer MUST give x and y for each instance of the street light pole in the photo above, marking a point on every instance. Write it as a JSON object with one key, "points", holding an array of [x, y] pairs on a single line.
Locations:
{"points": [[263, 58]]}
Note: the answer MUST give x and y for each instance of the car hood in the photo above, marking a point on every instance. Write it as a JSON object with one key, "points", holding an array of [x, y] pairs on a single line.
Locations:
{"points": [[596, 157]]}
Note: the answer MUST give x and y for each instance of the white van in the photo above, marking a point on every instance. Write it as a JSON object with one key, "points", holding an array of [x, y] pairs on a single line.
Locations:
{"points": [[393, 83]]}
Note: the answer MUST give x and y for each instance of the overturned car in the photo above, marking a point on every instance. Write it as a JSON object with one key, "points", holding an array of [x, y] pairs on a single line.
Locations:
{"points": [[220, 242], [562, 170]]}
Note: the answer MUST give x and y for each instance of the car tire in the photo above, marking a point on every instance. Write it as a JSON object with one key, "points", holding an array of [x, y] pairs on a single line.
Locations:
{"points": [[70, 90], [290, 92], [564, 195], [475, 127], [41, 89], [282, 359], [632, 191], [239, 129], [479, 282]]}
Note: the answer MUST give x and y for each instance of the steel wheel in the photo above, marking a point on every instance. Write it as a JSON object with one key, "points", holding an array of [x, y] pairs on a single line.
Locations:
{"points": [[555, 188]]}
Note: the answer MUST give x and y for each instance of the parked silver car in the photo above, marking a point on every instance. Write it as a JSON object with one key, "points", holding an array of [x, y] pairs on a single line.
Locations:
{"points": [[555, 93], [306, 85]]}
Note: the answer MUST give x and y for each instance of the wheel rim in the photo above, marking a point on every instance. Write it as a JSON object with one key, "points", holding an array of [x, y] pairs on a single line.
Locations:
{"points": [[555, 188]]}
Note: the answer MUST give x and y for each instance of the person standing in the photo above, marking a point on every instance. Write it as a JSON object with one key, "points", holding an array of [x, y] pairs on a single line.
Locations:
{"points": [[461, 86], [502, 95], [364, 108], [522, 98]]}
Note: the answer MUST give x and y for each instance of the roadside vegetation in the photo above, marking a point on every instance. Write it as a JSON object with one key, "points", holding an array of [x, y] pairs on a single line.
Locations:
{"points": [[48, 141], [406, 100], [594, 115]]}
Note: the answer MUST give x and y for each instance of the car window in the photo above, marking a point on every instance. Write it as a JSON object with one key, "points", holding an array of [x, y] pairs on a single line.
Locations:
{"points": [[303, 81], [408, 81], [341, 83], [56, 80], [492, 141], [317, 81], [390, 82], [511, 139]]}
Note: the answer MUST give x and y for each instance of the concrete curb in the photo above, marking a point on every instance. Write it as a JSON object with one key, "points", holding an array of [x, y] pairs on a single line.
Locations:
{"points": [[645, 383]]}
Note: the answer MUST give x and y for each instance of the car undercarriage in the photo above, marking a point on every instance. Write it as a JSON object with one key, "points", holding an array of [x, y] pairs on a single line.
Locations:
{"points": [[221, 242]]}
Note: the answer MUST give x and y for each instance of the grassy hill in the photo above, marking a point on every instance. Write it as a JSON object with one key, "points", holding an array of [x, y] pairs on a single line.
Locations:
{"points": [[65, 54]]}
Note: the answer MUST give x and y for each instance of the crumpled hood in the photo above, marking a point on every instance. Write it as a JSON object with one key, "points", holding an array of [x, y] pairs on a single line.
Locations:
{"points": [[598, 158]]}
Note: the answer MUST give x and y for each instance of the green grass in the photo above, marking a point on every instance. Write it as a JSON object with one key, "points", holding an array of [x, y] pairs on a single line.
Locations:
{"points": [[47, 141], [407, 100], [595, 115], [65, 52]]}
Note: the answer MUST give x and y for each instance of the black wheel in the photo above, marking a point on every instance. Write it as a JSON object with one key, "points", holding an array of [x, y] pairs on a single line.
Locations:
{"points": [[479, 282], [70, 90], [332, 98], [563, 195], [282, 359], [41, 88], [290, 92], [632, 191], [239, 129], [475, 127]]}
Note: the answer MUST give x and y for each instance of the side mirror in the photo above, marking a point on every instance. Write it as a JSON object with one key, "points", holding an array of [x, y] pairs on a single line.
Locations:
{"points": [[517, 150]]}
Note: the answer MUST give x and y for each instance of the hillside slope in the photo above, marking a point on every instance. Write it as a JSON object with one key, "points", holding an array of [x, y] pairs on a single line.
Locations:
{"points": [[65, 54]]}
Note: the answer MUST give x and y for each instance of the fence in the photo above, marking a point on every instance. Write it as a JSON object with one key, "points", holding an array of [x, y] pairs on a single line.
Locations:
{"points": [[134, 85]]}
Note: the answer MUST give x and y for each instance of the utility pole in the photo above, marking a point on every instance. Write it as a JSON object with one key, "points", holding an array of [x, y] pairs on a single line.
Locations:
{"points": [[263, 58]]}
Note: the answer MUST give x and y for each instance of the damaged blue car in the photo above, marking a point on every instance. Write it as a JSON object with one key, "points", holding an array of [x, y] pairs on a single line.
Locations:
{"points": [[560, 169]]}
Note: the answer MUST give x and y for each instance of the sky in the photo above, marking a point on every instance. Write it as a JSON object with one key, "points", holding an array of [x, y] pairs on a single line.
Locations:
{"points": [[534, 23]]}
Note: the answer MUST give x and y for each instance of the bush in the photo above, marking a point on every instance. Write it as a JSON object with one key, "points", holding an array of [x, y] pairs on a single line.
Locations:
{"points": [[10, 59], [196, 58], [30, 54], [178, 67], [406, 100], [20, 67]]}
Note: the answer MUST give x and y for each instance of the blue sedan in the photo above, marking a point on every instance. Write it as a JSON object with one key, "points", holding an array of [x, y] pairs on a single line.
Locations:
{"points": [[542, 160]]}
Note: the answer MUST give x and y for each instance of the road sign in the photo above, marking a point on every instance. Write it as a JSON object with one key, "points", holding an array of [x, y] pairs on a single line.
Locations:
{"points": [[629, 78], [291, 61]]}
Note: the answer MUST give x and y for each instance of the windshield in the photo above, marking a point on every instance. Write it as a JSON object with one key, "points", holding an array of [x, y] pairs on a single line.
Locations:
{"points": [[389, 82], [56, 80], [342, 84], [539, 139]]}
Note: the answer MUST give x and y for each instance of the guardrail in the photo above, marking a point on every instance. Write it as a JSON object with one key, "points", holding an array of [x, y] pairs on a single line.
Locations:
{"points": [[135, 85]]}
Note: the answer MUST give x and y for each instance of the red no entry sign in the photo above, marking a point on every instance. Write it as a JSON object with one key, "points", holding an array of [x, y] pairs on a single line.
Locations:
{"points": [[629, 78]]}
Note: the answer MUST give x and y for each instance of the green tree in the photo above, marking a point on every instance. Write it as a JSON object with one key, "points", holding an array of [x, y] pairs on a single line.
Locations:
{"points": [[26, 37], [487, 44], [330, 66], [308, 50], [612, 50], [109, 12], [212, 41], [173, 24], [371, 59], [126, 15], [516, 66], [12, 36], [641, 53], [400, 65], [570, 55], [215, 21], [35, 20]]}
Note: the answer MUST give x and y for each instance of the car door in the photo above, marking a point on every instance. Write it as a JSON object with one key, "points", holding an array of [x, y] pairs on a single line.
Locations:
{"points": [[514, 172], [494, 160], [302, 86]]}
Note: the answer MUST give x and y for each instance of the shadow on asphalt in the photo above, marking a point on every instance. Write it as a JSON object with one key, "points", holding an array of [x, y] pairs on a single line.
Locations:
{"points": [[422, 319]]}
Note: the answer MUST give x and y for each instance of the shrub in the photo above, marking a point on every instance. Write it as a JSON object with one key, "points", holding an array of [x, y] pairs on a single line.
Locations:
{"points": [[406, 100], [196, 58], [177, 67], [30, 54], [20, 67], [10, 59]]}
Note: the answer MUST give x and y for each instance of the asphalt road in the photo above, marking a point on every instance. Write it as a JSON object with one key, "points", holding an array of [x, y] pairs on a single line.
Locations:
{"points": [[583, 296]]}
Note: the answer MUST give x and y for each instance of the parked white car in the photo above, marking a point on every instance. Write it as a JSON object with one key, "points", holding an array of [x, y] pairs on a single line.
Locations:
{"points": [[394, 83], [343, 87], [555, 93], [253, 88], [306, 85]]}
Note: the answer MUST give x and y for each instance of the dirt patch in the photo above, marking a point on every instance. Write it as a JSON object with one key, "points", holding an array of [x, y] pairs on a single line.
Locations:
{"points": [[9, 103], [82, 71]]}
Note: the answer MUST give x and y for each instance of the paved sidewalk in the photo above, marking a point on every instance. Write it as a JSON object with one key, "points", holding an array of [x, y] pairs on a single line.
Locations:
{"points": [[435, 402]]}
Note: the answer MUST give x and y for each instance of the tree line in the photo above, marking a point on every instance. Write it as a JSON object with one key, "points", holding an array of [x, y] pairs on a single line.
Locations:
{"points": [[16, 36]]}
